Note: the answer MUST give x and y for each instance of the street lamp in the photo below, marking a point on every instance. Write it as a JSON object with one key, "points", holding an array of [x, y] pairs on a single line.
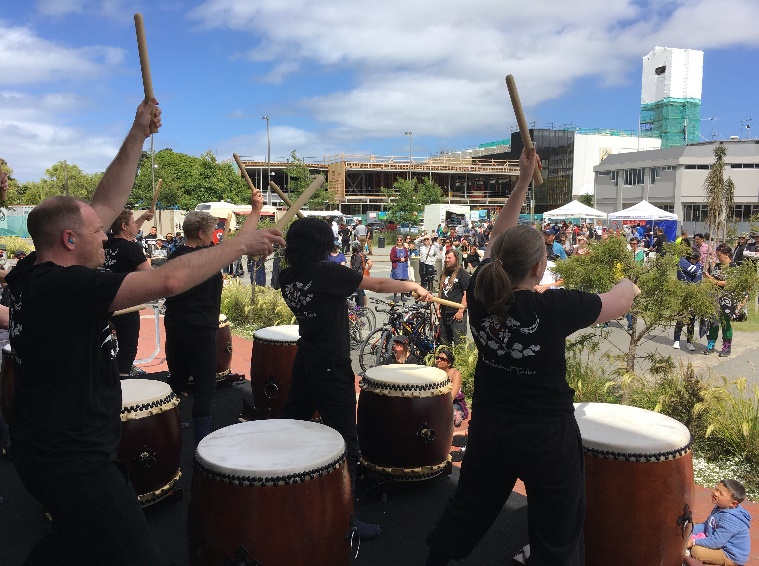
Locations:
{"points": [[410, 139], [268, 160]]}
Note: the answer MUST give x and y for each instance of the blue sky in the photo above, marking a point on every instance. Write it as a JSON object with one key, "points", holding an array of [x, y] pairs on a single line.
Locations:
{"points": [[348, 76]]}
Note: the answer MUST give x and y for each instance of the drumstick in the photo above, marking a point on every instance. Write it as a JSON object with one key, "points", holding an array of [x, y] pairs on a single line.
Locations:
{"points": [[245, 175], [284, 197], [301, 201], [225, 233], [445, 302], [537, 178], [130, 309], [155, 195], [142, 48]]}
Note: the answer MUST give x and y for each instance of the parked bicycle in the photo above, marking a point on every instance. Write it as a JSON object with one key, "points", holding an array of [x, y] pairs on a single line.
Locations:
{"points": [[414, 321], [361, 322]]}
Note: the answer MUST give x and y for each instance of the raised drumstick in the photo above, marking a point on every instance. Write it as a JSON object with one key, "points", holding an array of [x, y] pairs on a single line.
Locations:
{"points": [[284, 198], [445, 302], [301, 201], [155, 195], [142, 48], [537, 178], [227, 226], [253, 189]]}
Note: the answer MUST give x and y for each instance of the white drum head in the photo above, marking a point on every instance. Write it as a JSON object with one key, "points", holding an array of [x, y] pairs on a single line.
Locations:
{"points": [[144, 397], [623, 432], [285, 334], [7, 349], [271, 451], [407, 374]]}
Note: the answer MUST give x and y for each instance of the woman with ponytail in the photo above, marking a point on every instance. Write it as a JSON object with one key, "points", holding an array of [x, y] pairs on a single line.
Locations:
{"points": [[523, 423]]}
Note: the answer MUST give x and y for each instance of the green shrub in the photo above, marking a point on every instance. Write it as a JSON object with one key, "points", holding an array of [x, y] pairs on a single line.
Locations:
{"points": [[249, 313], [585, 375], [14, 244]]}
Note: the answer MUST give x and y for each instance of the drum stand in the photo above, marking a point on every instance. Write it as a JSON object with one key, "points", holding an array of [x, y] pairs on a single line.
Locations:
{"points": [[380, 485]]}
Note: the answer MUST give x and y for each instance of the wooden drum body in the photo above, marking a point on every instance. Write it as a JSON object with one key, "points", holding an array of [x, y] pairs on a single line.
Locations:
{"points": [[223, 348], [276, 491], [8, 384], [271, 366], [405, 424], [151, 438], [638, 483]]}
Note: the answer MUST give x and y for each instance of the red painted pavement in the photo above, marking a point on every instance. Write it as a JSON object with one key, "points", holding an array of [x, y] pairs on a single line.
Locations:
{"points": [[241, 351]]}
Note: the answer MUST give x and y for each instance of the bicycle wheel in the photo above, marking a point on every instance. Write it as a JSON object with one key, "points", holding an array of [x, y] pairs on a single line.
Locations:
{"points": [[360, 326], [374, 349], [371, 316]]}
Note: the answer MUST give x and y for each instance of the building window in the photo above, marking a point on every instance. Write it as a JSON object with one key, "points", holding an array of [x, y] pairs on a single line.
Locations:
{"points": [[669, 168], [634, 177], [654, 173], [744, 165], [615, 178], [695, 212], [603, 173], [706, 167], [744, 212]]}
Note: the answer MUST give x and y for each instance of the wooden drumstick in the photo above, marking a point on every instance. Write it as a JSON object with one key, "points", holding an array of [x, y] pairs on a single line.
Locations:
{"points": [[155, 195], [284, 197], [537, 178], [445, 302], [130, 309], [245, 175], [227, 226], [300, 202], [142, 48]]}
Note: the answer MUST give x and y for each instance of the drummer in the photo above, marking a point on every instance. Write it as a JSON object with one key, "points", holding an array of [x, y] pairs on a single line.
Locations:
{"points": [[322, 377], [523, 423], [68, 395]]}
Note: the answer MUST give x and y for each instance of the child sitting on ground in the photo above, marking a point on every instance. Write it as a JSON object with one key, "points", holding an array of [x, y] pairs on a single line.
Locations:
{"points": [[723, 538]]}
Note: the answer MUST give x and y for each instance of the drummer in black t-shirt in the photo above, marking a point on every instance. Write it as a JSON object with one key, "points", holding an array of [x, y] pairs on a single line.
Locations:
{"points": [[316, 292], [523, 423], [124, 255], [67, 425]]}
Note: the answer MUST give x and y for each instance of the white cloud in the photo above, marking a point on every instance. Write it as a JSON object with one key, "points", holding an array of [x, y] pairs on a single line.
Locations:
{"points": [[108, 8], [27, 58]]}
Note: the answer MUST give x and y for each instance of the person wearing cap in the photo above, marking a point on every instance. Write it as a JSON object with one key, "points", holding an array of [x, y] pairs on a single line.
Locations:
{"points": [[689, 270], [171, 245], [554, 250], [401, 353]]}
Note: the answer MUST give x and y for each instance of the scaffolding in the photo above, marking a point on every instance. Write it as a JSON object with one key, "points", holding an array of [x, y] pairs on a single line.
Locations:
{"points": [[677, 121]]}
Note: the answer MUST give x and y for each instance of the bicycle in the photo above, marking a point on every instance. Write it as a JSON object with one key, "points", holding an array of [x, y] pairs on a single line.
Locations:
{"points": [[412, 321], [361, 322]]}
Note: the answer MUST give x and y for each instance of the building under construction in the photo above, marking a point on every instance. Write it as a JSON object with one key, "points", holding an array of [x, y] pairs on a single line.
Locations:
{"points": [[358, 182]]}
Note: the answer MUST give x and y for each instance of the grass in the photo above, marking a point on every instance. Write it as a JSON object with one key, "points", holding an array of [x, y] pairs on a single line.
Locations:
{"points": [[752, 323]]}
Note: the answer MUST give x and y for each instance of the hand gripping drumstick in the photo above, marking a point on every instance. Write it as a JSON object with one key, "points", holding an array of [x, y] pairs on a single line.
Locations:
{"points": [[445, 302], [142, 47], [155, 195], [537, 178], [277, 190]]}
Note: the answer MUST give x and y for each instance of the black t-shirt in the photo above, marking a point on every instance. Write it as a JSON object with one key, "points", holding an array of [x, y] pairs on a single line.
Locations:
{"points": [[199, 306], [68, 394], [453, 289], [521, 366], [123, 256], [316, 293]]}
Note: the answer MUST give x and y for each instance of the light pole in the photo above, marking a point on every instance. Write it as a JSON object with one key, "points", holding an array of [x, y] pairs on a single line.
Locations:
{"points": [[268, 160], [410, 139]]}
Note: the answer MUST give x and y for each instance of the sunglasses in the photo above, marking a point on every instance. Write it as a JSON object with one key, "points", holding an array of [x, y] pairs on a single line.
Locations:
{"points": [[441, 358]]}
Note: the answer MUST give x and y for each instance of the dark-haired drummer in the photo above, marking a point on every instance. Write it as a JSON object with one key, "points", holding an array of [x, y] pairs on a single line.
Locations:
{"points": [[322, 376]]}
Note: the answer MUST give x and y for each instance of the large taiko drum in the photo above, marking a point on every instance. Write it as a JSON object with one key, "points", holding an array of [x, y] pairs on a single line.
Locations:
{"points": [[271, 366], [274, 492], [151, 437], [405, 422], [638, 483], [8, 384]]}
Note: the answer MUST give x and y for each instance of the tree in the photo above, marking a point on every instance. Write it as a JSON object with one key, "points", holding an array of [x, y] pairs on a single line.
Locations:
{"points": [[408, 198], [720, 194], [300, 178], [586, 199], [663, 299], [59, 178], [187, 181]]}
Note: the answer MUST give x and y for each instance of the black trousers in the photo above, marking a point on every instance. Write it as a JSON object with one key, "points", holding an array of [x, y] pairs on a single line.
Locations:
{"points": [[426, 275], [128, 334], [96, 515], [548, 458], [451, 330], [191, 351], [329, 387]]}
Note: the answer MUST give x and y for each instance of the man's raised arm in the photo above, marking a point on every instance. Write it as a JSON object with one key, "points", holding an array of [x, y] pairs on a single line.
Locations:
{"points": [[113, 190]]}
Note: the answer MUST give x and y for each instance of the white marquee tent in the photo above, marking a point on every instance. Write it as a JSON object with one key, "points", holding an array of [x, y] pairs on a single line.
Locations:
{"points": [[644, 210], [574, 209]]}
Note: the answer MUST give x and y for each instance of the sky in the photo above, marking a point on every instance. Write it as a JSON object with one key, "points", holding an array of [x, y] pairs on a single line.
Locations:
{"points": [[348, 76]]}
